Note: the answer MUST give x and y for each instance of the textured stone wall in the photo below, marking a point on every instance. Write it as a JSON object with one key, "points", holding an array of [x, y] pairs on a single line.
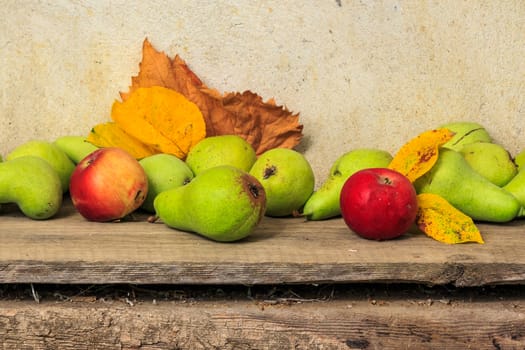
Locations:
{"points": [[361, 73]]}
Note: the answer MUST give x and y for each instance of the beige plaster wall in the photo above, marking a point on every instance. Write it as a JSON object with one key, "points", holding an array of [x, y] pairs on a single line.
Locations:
{"points": [[361, 73]]}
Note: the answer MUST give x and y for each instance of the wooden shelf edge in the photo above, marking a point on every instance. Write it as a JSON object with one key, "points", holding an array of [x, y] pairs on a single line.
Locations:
{"points": [[71, 250], [75, 272]]}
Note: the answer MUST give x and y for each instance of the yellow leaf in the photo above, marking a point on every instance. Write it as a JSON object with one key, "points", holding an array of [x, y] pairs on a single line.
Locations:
{"points": [[440, 220], [162, 119], [419, 155], [111, 135]]}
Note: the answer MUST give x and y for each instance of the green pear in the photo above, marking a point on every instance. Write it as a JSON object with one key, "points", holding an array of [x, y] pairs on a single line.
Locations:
{"points": [[516, 187], [519, 160], [223, 203], [491, 160], [164, 171], [465, 133], [75, 147], [221, 150], [32, 184], [287, 178], [453, 179], [324, 203], [50, 153]]}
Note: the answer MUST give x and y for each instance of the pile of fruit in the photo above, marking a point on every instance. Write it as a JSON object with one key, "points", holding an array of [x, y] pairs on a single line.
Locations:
{"points": [[222, 189]]}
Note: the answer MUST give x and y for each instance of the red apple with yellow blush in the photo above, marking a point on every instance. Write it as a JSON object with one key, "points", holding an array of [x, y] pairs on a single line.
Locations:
{"points": [[107, 185]]}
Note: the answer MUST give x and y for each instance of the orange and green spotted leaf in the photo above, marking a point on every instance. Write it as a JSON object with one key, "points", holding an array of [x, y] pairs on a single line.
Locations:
{"points": [[438, 219], [419, 155]]}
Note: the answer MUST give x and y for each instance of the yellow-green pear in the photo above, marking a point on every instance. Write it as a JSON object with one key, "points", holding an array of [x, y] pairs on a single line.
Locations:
{"points": [[324, 203], [32, 184], [516, 187], [287, 178], [223, 203], [76, 147], [221, 150], [453, 179], [464, 133], [50, 153], [164, 171], [491, 160]]}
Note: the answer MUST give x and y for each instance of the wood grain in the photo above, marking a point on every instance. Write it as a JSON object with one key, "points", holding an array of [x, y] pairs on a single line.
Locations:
{"points": [[241, 324], [69, 249]]}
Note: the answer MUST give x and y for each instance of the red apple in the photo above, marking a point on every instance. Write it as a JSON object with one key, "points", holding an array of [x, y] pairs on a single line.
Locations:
{"points": [[378, 203], [107, 185]]}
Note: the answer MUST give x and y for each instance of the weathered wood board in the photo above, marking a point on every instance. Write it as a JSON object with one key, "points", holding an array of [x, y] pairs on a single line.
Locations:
{"points": [[402, 319], [69, 250]]}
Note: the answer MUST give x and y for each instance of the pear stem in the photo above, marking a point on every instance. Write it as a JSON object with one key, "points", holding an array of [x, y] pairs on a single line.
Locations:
{"points": [[152, 219], [521, 212]]}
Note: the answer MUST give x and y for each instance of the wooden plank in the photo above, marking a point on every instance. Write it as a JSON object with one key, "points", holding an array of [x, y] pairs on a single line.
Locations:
{"points": [[362, 321], [69, 249]]}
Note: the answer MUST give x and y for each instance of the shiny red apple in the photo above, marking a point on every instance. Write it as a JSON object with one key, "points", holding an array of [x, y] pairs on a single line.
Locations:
{"points": [[107, 185], [378, 203]]}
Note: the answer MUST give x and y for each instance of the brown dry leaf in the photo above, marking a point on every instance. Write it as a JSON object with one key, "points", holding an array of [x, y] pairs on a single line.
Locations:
{"points": [[111, 135], [438, 219], [162, 119], [263, 124], [419, 155]]}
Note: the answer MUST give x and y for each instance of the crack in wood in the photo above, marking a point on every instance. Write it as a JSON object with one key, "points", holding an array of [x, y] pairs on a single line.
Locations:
{"points": [[357, 343]]}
